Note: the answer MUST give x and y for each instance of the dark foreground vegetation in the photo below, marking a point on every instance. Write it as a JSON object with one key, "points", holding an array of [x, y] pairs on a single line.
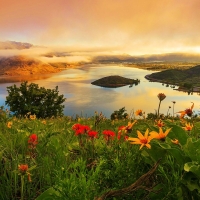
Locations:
{"points": [[130, 156]]}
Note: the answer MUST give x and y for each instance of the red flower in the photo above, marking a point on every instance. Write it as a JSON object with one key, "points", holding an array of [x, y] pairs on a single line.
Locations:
{"points": [[108, 134], [80, 129], [33, 140], [23, 168], [92, 134], [76, 127]]}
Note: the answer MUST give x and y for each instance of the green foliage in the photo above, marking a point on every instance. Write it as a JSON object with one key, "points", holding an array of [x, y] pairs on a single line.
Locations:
{"points": [[119, 114], [30, 98], [63, 168]]}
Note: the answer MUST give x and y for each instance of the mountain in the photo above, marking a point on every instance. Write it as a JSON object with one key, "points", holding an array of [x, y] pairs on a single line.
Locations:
{"points": [[15, 45], [23, 66], [169, 57]]}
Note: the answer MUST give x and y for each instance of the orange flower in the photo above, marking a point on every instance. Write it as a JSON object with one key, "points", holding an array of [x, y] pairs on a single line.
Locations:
{"points": [[160, 135], [44, 122], [188, 127], [23, 168], [159, 123], [142, 139], [9, 124], [138, 112], [32, 117], [187, 111], [175, 141]]}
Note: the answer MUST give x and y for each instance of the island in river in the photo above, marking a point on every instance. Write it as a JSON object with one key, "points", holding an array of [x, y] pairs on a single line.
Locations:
{"points": [[115, 81]]}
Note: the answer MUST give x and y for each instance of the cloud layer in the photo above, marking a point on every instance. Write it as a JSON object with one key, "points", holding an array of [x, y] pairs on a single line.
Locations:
{"points": [[130, 26]]}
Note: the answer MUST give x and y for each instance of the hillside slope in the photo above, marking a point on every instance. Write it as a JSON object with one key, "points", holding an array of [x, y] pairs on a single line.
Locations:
{"points": [[23, 66], [173, 76]]}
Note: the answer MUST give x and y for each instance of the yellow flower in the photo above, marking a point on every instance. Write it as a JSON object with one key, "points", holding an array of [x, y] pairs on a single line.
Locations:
{"points": [[130, 125], [142, 139], [138, 112], [161, 135], [44, 121], [9, 124], [33, 116], [188, 127], [175, 141], [187, 111]]}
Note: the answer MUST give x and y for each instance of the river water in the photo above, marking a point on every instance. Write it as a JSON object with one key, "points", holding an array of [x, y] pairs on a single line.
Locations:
{"points": [[84, 99]]}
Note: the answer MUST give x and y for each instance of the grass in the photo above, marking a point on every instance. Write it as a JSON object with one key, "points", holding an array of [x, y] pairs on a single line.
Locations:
{"points": [[63, 164]]}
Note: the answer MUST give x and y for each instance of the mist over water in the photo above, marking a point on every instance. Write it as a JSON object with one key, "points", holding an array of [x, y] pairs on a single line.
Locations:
{"points": [[84, 99]]}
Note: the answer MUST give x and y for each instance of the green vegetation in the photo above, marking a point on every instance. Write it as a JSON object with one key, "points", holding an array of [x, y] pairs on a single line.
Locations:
{"points": [[115, 81], [34, 99], [188, 79], [66, 158], [119, 114], [125, 157]]}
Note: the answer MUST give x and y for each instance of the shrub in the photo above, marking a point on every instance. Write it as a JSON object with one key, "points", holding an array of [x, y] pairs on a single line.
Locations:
{"points": [[119, 114], [34, 99]]}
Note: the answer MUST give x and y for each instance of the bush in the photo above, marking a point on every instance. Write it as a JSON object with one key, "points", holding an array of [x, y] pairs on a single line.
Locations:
{"points": [[30, 98], [119, 114]]}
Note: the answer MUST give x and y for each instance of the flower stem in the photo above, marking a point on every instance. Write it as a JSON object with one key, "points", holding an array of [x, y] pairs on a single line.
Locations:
{"points": [[22, 187], [158, 109]]}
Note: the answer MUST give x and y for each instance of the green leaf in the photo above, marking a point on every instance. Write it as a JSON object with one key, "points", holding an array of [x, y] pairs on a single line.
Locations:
{"points": [[48, 194], [192, 167], [192, 149], [178, 133]]}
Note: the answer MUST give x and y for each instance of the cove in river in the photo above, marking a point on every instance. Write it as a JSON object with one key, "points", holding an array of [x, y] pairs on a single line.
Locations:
{"points": [[84, 99]]}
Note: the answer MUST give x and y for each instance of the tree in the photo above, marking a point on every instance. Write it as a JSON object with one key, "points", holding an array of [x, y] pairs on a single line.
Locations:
{"points": [[119, 114], [37, 100]]}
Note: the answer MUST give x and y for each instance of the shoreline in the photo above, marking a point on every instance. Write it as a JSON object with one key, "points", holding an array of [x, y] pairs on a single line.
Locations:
{"points": [[181, 89]]}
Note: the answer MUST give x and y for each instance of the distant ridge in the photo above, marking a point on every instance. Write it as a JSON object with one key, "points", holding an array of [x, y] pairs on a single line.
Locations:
{"points": [[15, 45], [168, 57]]}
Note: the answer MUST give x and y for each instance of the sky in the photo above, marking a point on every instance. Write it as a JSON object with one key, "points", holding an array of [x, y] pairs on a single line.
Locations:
{"points": [[135, 27]]}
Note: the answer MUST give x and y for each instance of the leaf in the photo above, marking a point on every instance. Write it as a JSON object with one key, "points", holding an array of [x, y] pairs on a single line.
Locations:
{"points": [[192, 149], [156, 152], [192, 167], [48, 194], [178, 133]]}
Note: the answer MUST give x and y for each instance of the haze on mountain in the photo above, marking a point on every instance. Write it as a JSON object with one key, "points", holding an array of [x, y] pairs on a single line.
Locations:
{"points": [[14, 45]]}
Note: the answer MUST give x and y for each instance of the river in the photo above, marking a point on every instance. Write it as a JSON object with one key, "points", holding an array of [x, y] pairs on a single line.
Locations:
{"points": [[84, 99]]}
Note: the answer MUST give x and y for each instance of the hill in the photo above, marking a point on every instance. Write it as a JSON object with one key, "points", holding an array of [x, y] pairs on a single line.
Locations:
{"points": [[188, 78], [114, 81], [23, 66]]}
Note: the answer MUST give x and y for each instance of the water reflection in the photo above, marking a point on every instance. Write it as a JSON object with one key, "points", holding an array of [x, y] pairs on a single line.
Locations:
{"points": [[84, 99]]}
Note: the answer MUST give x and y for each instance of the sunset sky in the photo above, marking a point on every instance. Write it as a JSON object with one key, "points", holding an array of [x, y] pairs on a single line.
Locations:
{"points": [[135, 27]]}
